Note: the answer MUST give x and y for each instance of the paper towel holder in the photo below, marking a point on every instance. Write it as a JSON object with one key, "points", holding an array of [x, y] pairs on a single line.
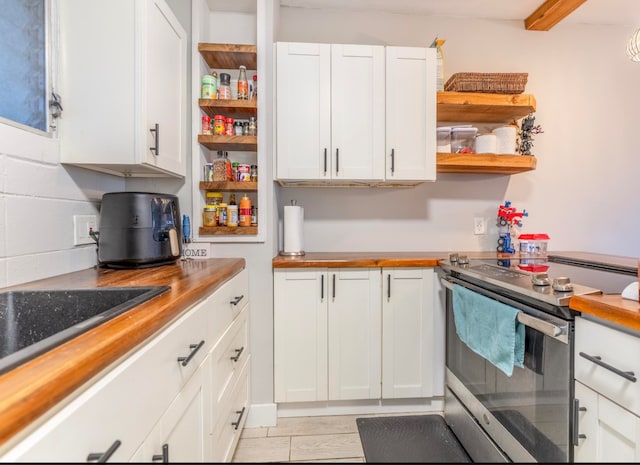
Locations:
{"points": [[292, 254]]}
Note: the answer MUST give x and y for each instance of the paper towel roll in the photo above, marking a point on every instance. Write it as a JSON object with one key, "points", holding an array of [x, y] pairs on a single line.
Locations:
{"points": [[293, 222], [486, 143]]}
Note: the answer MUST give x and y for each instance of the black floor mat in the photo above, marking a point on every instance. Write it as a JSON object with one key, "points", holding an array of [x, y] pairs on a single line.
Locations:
{"points": [[412, 438]]}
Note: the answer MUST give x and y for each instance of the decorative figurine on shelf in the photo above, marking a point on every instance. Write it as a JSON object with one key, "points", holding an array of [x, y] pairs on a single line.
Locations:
{"points": [[508, 219], [526, 132]]}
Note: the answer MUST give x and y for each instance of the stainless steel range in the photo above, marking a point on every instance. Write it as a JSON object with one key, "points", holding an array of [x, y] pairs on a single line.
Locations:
{"points": [[526, 416]]}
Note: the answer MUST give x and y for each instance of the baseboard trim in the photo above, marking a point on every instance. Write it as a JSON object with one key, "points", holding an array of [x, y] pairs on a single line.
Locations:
{"points": [[261, 415], [310, 409]]}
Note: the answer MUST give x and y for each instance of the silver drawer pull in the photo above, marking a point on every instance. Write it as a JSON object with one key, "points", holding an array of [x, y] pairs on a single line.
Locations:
{"points": [[236, 423], [184, 361], [629, 375], [102, 457], [238, 352]]}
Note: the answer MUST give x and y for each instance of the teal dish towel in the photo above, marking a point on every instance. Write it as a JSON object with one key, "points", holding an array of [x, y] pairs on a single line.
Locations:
{"points": [[490, 328]]}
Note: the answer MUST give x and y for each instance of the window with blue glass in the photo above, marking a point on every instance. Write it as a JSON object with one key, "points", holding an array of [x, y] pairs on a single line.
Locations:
{"points": [[23, 63]]}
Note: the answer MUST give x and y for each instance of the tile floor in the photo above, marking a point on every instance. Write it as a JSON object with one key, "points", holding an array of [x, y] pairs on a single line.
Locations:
{"points": [[303, 439]]}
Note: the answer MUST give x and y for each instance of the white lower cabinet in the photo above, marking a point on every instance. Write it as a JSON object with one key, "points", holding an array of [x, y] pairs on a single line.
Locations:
{"points": [[164, 400], [339, 336], [606, 391], [327, 334], [407, 333]]}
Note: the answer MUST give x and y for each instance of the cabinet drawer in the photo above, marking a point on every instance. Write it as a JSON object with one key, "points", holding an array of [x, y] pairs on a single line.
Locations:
{"points": [[616, 349], [227, 360], [229, 299], [230, 422], [125, 403]]}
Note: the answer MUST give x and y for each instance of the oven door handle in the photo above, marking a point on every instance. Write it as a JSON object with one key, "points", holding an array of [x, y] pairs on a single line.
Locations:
{"points": [[546, 328]]}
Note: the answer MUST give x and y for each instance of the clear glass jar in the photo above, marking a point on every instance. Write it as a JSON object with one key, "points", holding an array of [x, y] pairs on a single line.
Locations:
{"points": [[243, 84], [214, 198], [253, 129], [237, 128], [254, 173], [209, 216]]}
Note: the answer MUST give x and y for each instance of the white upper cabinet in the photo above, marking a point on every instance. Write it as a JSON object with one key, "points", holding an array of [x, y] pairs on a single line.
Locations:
{"points": [[410, 114], [123, 88], [330, 111]]}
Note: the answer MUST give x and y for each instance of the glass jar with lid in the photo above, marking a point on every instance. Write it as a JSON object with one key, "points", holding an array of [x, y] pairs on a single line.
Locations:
{"points": [[209, 216], [214, 198]]}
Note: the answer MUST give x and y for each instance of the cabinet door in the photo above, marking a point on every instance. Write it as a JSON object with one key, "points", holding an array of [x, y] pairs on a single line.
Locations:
{"points": [[165, 89], [303, 117], [300, 335], [407, 333], [180, 434], [354, 333], [612, 433], [410, 114], [357, 111]]}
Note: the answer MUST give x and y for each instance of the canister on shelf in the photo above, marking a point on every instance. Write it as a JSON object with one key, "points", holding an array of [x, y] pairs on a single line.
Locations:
{"points": [[222, 214], [224, 89], [234, 171], [208, 172], [237, 128], [253, 129], [244, 172], [206, 125], [243, 84], [254, 173], [209, 86], [219, 125], [232, 215], [214, 198], [254, 215], [209, 216], [228, 129]]}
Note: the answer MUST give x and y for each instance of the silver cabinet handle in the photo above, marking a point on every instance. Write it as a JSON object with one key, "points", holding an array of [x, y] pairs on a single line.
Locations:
{"points": [[628, 375], [238, 352], [156, 131], [237, 300], [101, 457], [576, 422], [184, 361], [393, 161], [164, 458], [240, 413]]}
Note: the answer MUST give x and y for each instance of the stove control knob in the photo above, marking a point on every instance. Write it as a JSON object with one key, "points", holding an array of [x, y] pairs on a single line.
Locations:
{"points": [[463, 260], [562, 284], [453, 257], [540, 279]]}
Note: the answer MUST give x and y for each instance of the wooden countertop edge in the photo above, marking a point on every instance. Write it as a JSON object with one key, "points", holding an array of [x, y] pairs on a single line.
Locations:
{"points": [[609, 307], [33, 389]]}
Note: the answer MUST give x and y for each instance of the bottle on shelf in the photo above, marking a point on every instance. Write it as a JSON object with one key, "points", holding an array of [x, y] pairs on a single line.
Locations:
{"points": [[243, 84], [244, 217], [252, 129], [232, 199], [254, 94]]}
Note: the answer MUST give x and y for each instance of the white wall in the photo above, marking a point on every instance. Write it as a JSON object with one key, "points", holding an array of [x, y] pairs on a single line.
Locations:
{"points": [[583, 191]]}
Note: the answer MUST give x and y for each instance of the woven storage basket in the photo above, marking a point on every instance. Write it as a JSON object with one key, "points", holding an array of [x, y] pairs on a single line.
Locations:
{"points": [[499, 83]]}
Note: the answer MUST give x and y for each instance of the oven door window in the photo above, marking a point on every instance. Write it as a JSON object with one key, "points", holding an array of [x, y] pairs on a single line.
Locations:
{"points": [[534, 403]]}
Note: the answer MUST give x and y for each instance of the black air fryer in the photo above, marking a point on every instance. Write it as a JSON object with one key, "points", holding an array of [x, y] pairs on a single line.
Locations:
{"points": [[139, 230]]}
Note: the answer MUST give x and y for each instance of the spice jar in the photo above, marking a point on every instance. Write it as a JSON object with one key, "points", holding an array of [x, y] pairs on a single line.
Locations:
{"points": [[224, 89], [234, 174], [206, 125], [243, 84], [209, 216], [254, 173], [253, 129], [228, 128], [218, 125], [237, 128]]}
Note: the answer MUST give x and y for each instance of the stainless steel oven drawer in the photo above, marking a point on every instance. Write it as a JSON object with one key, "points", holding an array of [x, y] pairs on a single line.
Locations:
{"points": [[607, 361]]}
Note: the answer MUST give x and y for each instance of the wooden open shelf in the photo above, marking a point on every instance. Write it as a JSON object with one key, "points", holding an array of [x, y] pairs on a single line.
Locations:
{"points": [[476, 107], [228, 186], [484, 163], [228, 230], [229, 143], [229, 56], [239, 109]]}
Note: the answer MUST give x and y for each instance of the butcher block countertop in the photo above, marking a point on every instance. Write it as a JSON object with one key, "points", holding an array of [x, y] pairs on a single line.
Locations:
{"points": [[36, 387]]}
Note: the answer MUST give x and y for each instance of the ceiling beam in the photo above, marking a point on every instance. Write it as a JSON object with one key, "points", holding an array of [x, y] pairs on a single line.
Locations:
{"points": [[550, 13]]}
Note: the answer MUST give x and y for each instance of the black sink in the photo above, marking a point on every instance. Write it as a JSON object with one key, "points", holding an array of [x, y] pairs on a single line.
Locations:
{"points": [[35, 321]]}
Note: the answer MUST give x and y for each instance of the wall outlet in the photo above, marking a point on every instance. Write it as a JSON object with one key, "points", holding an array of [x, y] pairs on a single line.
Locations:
{"points": [[479, 226], [81, 226]]}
